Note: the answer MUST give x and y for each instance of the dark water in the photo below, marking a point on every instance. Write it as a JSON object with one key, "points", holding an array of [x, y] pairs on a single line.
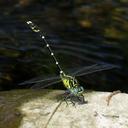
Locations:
{"points": [[81, 34]]}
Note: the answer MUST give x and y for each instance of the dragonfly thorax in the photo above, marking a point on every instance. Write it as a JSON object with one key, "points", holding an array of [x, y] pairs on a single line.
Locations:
{"points": [[71, 84]]}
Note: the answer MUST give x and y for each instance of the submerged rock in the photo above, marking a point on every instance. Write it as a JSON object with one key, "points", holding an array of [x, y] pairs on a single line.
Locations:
{"points": [[40, 109]]}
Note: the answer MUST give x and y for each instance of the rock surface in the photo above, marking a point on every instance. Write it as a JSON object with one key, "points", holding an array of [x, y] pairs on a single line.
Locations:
{"points": [[40, 109]]}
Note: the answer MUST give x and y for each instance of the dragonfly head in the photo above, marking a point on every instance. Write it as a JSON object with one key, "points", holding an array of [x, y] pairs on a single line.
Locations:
{"points": [[77, 89]]}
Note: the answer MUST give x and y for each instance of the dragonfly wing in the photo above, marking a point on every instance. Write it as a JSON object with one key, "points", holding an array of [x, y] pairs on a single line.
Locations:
{"points": [[83, 69], [46, 84], [40, 80], [93, 69]]}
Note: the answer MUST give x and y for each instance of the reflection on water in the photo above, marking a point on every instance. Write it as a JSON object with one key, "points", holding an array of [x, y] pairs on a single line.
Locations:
{"points": [[81, 33]]}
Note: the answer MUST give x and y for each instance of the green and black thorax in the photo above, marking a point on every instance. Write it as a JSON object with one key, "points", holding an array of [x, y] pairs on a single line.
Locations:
{"points": [[71, 84]]}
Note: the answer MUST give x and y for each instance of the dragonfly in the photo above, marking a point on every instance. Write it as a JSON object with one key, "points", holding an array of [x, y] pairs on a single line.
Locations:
{"points": [[74, 89]]}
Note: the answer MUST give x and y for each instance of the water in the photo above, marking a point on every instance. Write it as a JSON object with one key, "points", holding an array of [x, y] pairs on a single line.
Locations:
{"points": [[81, 33]]}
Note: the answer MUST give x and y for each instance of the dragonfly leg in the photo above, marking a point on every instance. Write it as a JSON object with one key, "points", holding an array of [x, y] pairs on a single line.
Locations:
{"points": [[62, 96], [71, 98], [67, 92], [82, 100], [67, 97]]}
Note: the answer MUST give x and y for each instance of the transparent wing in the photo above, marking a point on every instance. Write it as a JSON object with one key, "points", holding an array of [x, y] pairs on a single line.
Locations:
{"points": [[40, 80], [92, 69], [83, 69], [45, 84]]}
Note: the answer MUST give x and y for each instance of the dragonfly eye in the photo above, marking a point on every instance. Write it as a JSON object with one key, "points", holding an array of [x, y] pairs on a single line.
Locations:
{"points": [[80, 89]]}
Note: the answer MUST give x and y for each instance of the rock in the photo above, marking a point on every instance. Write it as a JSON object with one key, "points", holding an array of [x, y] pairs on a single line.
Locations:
{"points": [[40, 109]]}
